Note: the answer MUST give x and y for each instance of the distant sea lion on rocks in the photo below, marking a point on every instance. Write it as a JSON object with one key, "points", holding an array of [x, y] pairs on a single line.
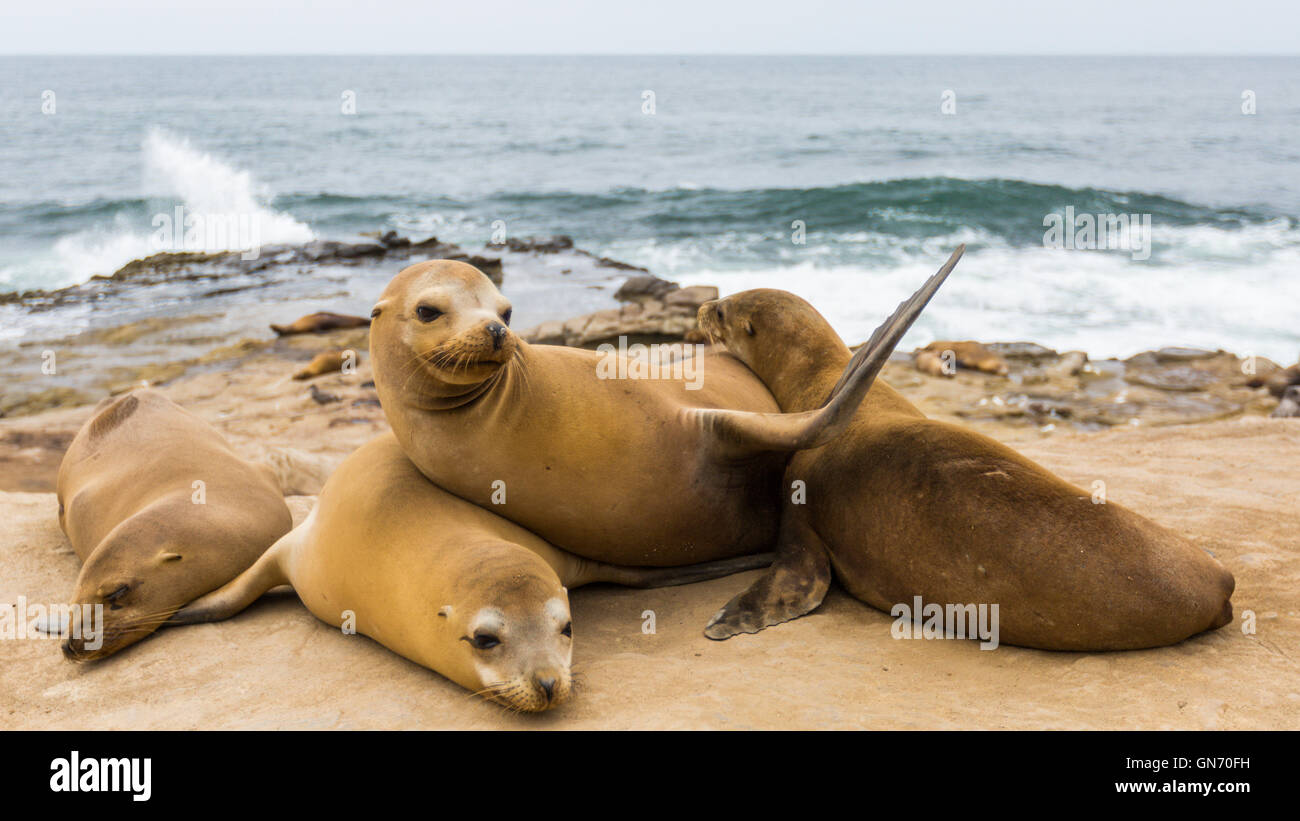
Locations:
{"points": [[320, 322], [904, 506], [161, 511], [934, 359], [325, 362], [439, 580], [649, 471]]}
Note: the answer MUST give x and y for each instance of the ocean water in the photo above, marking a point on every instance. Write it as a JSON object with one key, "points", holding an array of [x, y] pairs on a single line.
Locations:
{"points": [[713, 185]]}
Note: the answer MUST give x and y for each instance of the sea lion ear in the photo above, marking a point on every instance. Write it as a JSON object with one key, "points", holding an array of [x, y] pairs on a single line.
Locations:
{"points": [[749, 327], [445, 611], [168, 556], [379, 307]]}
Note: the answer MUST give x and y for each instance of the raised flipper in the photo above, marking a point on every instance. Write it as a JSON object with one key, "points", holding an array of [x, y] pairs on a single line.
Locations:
{"points": [[244, 589], [584, 571], [794, 585], [744, 432]]}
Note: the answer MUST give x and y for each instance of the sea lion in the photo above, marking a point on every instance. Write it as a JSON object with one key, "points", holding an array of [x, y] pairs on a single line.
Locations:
{"points": [[438, 580], [326, 362], [903, 506], [320, 322], [934, 359], [160, 510], [659, 472]]}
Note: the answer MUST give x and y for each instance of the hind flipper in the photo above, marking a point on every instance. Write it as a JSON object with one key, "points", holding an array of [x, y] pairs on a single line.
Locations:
{"points": [[794, 585], [741, 432]]}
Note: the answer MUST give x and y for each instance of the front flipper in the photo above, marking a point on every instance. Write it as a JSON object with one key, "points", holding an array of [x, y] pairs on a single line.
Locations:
{"points": [[741, 432], [794, 585], [244, 589]]}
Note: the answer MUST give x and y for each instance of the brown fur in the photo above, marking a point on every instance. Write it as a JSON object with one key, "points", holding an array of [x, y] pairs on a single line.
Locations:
{"points": [[972, 355], [323, 363], [609, 469], [902, 506], [126, 502], [320, 322]]}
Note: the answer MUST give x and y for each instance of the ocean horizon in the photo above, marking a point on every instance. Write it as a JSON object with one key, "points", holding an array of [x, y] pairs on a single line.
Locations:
{"points": [[843, 179]]}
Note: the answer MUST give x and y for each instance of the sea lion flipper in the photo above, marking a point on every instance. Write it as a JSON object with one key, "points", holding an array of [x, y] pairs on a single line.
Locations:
{"points": [[794, 585], [244, 589], [871, 357], [647, 577], [744, 432]]}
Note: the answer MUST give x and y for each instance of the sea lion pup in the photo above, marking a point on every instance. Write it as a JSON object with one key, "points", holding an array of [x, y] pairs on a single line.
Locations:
{"points": [[161, 511], [438, 580], [660, 472], [904, 506], [320, 322]]}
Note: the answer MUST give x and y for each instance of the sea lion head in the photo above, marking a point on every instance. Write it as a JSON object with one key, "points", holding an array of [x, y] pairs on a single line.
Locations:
{"points": [[133, 583], [778, 335], [443, 320], [506, 633]]}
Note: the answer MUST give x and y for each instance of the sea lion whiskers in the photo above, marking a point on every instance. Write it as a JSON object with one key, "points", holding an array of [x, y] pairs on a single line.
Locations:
{"points": [[143, 624], [506, 694]]}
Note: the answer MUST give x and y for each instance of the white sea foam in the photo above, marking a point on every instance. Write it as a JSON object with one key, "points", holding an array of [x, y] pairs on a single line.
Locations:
{"points": [[174, 173], [1103, 303]]}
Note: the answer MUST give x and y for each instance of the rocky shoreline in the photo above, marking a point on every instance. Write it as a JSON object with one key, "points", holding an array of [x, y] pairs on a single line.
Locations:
{"points": [[171, 314], [1015, 385]]}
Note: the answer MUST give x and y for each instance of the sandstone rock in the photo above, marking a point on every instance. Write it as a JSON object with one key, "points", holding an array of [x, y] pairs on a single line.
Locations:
{"points": [[538, 245], [640, 288], [1070, 363], [1022, 350], [1289, 407], [1181, 354], [692, 297]]}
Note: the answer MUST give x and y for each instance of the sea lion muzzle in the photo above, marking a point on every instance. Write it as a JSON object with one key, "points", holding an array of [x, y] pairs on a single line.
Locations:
{"points": [[498, 333]]}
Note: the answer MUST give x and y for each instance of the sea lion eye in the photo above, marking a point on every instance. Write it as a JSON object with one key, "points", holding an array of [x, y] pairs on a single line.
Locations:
{"points": [[719, 309], [568, 630], [112, 598], [505, 317], [427, 313], [483, 641]]}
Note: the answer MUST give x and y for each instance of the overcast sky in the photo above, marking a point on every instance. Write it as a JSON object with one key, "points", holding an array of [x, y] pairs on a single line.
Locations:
{"points": [[650, 27]]}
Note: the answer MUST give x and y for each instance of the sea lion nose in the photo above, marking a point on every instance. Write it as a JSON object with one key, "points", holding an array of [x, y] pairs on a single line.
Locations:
{"points": [[548, 687], [498, 332]]}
